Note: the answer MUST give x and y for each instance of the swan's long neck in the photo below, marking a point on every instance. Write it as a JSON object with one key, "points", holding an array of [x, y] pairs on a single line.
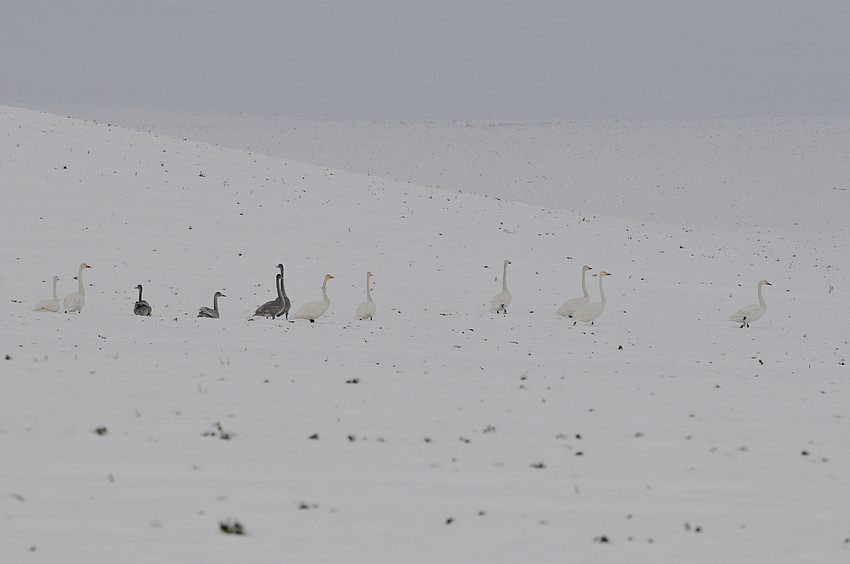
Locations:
{"points": [[140, 292], [584, 283], [80, 280], [761, 299], [505, 277], [601, 292], [282, 293], [368, 293], [55, 297], [325, 291], [278, 282], [215, 303]]}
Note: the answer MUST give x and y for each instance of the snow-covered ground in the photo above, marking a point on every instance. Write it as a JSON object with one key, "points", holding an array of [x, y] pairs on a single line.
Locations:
{"points": [[438, 432]]}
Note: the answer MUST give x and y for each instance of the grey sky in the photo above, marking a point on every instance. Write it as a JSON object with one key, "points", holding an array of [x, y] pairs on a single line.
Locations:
{"points": [[402, 59]]}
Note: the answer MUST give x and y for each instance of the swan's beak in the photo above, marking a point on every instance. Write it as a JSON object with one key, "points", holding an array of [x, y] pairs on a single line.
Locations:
{"points": [[87, 266]]}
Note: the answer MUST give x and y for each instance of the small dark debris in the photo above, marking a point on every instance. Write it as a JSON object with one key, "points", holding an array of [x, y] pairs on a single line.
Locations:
{"points": [[231, 527], [222, 434], [352, 438], [449, 520], [353, 381], [101, 430], [602, 539], [314, 436], [538, 465], [805, 453]]}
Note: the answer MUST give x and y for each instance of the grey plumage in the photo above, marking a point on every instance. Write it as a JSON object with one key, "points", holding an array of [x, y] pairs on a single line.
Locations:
{"points": [[141, 307], [207, 312]]}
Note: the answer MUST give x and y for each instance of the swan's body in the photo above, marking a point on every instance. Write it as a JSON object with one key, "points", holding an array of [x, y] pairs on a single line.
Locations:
{"points": [[49, 305], [570, 306], [590, 311], [207, 312], [141, 307], [274, 307], [314, 310], [367, 308], [287, 303], [747, 315], [76, 300], [502, 300]]}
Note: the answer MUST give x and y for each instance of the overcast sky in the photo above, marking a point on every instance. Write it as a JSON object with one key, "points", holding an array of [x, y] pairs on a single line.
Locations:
{"points": [[405, 59]]}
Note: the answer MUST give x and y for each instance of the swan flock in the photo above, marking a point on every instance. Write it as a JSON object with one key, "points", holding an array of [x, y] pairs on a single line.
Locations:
{"points": [[577, 309]]}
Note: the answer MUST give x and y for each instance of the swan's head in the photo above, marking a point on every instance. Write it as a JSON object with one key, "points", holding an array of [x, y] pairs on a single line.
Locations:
{"points": [[368, 274], [507, 262], [328, 277], [585, 268], [139, 287], [219, 295], [280, 266], [765, 282], [603, 273], [84, 265]]}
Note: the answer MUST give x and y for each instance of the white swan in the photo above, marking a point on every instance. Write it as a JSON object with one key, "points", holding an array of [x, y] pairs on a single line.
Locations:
{"points": [[502, 300], [141, 307], [747, 315], [314, 310], [590, 311], [570, 306], [49, 305], [76, 300], [274, 307], [207, 312], [367, 308]]}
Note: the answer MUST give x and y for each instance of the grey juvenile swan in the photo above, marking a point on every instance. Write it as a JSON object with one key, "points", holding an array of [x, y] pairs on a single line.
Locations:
{"points": [[141, 307], [287, 303], [207, 312], [274, 307]]}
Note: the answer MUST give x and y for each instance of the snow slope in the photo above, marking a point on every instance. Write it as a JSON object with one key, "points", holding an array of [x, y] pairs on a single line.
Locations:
{"points": [[436, 432]]}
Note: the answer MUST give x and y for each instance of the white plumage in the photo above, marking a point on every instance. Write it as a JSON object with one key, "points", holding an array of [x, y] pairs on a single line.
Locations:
{"points": [[502, 300], [367, 308], [590, 311], [49, 305], [570, 306], [314, 310], [76, 300], [747, 315]]}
